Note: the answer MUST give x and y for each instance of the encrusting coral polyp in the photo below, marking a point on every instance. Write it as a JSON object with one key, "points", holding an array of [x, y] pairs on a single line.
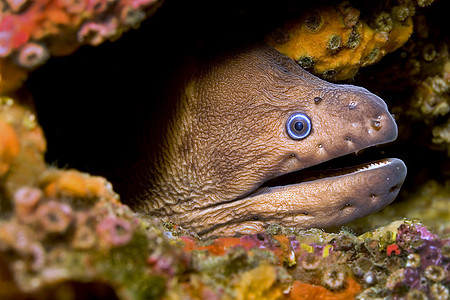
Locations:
{"points": [[334, 42]]}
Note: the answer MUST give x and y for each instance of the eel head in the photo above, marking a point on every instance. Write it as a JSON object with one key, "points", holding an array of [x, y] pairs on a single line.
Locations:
{"points": [[252, 116]]}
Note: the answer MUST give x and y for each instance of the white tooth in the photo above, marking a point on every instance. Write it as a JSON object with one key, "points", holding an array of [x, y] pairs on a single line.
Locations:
{"points": [[373, 166]]}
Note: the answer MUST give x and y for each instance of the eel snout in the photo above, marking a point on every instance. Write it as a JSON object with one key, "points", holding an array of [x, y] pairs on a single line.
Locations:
{"points": [[372, 111], [346, 120]]}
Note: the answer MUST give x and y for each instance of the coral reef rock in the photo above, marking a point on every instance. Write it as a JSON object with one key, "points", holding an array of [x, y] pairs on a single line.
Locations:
{"points": [[65, 226], [31, 31], [429, 204], [333, 42], [417, 79]]}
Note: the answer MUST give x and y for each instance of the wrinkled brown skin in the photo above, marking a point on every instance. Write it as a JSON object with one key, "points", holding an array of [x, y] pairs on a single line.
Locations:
{"points": [[226, 136]]}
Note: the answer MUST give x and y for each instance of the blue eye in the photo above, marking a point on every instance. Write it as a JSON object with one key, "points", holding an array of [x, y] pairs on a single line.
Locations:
{"points": [[298, 126]]}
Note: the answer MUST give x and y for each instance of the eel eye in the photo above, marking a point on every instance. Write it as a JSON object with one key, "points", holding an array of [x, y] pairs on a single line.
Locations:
{"points": [[298, 126]]}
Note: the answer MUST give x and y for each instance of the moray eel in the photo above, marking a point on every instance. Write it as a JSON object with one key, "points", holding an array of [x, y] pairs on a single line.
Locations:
{"points": [[248, 117]]}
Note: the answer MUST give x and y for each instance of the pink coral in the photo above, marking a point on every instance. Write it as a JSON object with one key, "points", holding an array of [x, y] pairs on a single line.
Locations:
{"points": [[32, 55], [25, 201], [114, 232], [95, 33], [54, 217]]}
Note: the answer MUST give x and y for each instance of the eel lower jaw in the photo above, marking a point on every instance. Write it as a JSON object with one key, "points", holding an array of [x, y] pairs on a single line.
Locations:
{"points": [[329, 198]]}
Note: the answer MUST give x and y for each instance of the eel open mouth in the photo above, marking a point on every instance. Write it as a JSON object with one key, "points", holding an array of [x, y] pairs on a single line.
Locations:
{"points": [[340, 166], [391, 173], [314, 198]]}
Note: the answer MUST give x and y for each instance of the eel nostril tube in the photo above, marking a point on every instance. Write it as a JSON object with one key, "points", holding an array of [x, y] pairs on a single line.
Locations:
{"points": [[376, 124]]}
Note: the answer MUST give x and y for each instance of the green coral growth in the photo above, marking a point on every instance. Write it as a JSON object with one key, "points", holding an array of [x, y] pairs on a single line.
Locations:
{"points": [[334, 43], [305, 62], [313, 21]]}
